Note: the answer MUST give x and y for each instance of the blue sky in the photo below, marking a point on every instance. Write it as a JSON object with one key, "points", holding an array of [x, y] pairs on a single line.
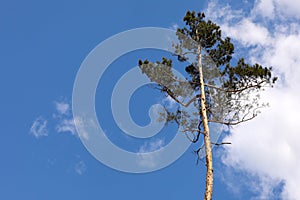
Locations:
{"points": [[42, 45]]}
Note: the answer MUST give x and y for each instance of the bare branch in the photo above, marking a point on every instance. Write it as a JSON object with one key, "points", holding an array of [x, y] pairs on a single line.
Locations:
{"points": [[180, 81], [219, 144], [196, 137], [191, 130], [237, 90], [198, 157], [183, 54], [188, 137], [233, 123], [170, 93]]}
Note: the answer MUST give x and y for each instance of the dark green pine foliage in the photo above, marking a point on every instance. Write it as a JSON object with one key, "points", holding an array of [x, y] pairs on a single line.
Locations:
{"points": [[232, 90]]}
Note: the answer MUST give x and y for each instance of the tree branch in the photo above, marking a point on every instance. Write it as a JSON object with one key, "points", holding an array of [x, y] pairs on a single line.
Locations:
{"points": [[219, 144], [237, 90], [170, 93], [196, 137], [233, 123]]}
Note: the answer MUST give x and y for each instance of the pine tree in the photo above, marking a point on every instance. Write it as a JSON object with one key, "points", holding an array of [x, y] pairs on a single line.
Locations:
{"points": [[223, 92]]}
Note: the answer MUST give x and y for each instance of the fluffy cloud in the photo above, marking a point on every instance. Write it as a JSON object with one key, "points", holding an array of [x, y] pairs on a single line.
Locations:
{"points": [[269, 144], [39, 128], [268, 148], [266, 8], [248, 33], [277, 8]]}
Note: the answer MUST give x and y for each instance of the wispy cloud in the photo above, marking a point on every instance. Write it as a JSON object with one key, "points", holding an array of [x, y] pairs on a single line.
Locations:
{"points": [[39, 128], [62, 108], [80, 167], [66, 126], [151, 146], [63, 116], [146, 159], [174, 27], [82, 126], [267, 147], [61, 121], [169, 102]]}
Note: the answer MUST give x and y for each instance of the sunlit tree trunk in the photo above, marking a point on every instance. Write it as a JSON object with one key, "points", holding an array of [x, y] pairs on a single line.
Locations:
{"points": [[207, 142]]}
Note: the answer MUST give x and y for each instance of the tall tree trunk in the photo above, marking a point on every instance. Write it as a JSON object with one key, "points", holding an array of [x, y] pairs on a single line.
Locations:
{"points": [[207, 142]]}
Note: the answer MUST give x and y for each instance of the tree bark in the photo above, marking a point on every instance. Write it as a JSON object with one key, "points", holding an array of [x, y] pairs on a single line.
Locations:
{"points": [[207, 142]]}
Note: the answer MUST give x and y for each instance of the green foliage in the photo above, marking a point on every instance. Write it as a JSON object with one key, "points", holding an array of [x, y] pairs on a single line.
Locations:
{"points": [[231, 90], [208, 35], [244, 75]]}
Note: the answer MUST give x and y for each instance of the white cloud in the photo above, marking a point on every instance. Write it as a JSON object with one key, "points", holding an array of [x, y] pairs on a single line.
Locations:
{"points": [[268, 146], [289, 8], [223, 13], [80, 168], [62, 108], [285, 57], [65, 122], [248, 33], [174, 27], [82, 126], [39, 128], [237, 26], [149, 160], [277, 8], [66, 125], [169, 102], [266, 8]]}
